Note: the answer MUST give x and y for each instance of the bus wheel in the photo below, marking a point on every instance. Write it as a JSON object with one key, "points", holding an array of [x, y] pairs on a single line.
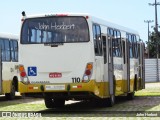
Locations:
{"points": [[111, 101], [53, 103], [48, 102], [130, 96], [11, 95], [58, 102]]}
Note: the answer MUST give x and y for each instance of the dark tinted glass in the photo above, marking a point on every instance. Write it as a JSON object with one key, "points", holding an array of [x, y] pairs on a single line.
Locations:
{"points": [[54, 30]]}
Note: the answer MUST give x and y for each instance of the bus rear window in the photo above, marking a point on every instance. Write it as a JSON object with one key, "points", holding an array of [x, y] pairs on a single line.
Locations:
{"points": [[54, 30]]}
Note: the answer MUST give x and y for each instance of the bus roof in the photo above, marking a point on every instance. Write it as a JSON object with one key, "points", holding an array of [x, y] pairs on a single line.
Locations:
{"points": [[113, 25], [93, 19], [9, 36]]}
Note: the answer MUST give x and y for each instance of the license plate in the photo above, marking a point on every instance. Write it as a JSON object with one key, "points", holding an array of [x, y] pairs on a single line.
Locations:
{"points": [[55, 87], [55, 75]]}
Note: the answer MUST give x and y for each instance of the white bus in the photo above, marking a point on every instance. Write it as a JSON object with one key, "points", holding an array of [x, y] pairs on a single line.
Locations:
{"points": [[9, 67], [78, 56]]}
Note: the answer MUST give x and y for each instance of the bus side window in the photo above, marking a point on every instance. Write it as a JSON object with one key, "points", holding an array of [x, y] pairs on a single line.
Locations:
{"points": [[133, 46], [2, 49], [117, 48], [14, 50], [7, 50], [114, 47], [97, 40], [124, 57], [136, 47], [104, 49], [130, 45], [15, 45], [119, 43]]}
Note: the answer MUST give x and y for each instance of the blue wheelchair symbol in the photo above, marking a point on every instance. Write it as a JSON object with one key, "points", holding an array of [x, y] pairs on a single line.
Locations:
{"points": [[32, 71]]}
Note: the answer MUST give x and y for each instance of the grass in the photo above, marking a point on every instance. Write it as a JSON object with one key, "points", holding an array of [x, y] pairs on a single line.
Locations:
{"points": [[151, 89], [144, 93], [28, 104]]}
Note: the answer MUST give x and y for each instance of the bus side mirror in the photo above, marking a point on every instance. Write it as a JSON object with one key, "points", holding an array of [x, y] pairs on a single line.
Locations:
{"points": [[23, 13]]}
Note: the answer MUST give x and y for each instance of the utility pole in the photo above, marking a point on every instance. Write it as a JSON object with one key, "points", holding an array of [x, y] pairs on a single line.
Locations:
{"points": [[156, 33], [148, 21]]}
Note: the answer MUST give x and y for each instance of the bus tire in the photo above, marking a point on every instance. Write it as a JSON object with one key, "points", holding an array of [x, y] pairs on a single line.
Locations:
{"points": [[111, 101], [108, 102], [135, 83], [48, 102], [130, 96], [53, 103], [11, 95]]}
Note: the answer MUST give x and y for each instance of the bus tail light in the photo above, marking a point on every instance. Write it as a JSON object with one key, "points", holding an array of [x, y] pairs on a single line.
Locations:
{"points": [[88, 72], [22, 71], [21, 68], [23, 74]]}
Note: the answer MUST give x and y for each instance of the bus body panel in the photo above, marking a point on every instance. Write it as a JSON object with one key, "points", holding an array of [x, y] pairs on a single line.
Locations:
{"points": [[70, 63], [9, 71]]}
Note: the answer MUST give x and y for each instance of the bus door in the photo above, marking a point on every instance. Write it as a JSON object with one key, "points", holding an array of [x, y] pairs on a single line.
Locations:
{"points": [[98, 52], [128, 64], [141, 65], [105, 53], [111, 79], [0, 73]]}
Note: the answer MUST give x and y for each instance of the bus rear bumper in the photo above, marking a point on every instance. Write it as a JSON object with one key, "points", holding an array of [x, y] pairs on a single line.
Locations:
{"points": [[68, 90]]}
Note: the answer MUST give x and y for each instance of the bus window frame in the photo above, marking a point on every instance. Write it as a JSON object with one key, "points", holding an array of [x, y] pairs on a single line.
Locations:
{"points": [[116, 40], [6, 50], [105, 52], [15, 49], [97, 40]]}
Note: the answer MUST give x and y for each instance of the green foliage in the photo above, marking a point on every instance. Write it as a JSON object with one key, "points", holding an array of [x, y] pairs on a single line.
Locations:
{"points": [[153, 43]]}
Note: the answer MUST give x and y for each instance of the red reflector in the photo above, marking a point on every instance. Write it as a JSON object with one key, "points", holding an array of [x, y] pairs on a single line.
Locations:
{"points": [[88, 72], [23, 74], [79, 86], [30, 87], [87, 17], [61, 14]]}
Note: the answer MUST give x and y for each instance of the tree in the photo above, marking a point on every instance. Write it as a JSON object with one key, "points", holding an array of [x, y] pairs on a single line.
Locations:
{"points": [[153, 44]]}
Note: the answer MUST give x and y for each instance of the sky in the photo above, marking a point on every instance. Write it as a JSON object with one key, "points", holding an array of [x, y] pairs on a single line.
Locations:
{"points": [[128, 13]]}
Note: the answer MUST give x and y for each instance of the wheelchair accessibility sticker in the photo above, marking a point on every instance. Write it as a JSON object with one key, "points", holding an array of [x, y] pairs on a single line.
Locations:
{"points": [[32, 71]]}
